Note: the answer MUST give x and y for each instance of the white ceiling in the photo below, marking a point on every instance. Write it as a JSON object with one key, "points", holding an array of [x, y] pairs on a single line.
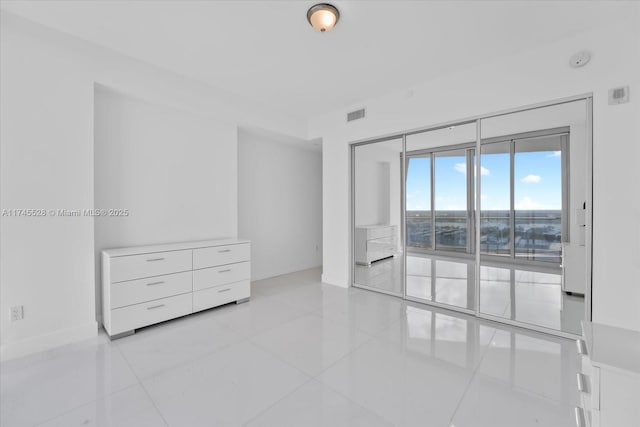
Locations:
{"points": [[266, 52]]}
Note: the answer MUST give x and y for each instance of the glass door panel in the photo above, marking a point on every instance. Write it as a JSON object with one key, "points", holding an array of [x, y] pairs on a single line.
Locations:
{"points": [[538, 195], [377, 208], [439, 216], [534, 173]]}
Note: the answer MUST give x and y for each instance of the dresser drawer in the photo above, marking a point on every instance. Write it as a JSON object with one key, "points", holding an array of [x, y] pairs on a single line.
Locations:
{"points": [[147, 265], [216, 276], [152, 288], [384, 244], [219, 255], [144, 314], [219, 295], [379, 232]]}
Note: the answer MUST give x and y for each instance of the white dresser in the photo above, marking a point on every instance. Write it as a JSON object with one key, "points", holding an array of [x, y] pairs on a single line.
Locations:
{"points": [[149, 284], [609, 377], [375, 242]]}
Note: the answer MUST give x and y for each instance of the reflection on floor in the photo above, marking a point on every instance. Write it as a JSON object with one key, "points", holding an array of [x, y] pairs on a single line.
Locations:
{"points": [[441, 279], [301, 353], [385, 275], [529, 296], [506, 291]]}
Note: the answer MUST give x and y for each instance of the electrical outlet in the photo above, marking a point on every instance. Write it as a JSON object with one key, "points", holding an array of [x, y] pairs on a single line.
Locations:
{"points": [[17, 313]]}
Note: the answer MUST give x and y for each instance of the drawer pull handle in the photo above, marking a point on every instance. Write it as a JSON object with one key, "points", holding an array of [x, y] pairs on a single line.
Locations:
{"points": [[224, 290], [580, 421], [154, 283], [582, 382], [225, 271], [224, 250], [153, 307], [155, 259], [582, 347]]}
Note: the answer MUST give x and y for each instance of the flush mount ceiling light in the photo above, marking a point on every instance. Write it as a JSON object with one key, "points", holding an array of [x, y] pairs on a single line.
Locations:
{"points": [[323, 16]]}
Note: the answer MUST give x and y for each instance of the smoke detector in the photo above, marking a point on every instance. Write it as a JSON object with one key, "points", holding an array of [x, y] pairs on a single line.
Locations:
{"points": [[579, 59]]}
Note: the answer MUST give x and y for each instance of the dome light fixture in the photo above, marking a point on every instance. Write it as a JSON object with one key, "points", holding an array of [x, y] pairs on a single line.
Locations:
{"points": [[323, 16]]}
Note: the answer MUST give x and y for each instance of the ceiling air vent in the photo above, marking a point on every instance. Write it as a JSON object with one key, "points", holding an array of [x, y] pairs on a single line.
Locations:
{"points": [[355, 115]]}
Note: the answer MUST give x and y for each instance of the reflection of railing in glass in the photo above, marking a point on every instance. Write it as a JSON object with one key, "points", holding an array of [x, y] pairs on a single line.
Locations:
{"points": [[419, 229], [538, 234], [495, 232], [450, 230]]}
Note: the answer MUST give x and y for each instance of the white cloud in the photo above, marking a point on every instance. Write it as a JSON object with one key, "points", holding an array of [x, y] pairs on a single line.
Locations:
{"points": [[532, 179], [527, 203], [555, 154], [416, 201], [462, 168]]}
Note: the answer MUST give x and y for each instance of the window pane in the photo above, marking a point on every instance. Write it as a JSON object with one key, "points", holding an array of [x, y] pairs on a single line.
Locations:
{"points": [[495, 202], [451, 200], [419, 202], [538, 199]]}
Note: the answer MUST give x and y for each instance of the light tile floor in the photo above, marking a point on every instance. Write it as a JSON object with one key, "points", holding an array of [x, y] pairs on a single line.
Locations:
{"points": [[301, 353], [530, 295]]}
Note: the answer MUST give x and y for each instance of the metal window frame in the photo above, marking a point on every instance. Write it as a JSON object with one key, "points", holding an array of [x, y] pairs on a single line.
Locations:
{"points": [[562, 132], [588, 97]]}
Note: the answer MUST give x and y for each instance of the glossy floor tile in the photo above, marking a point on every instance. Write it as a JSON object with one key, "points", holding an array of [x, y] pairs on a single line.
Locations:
{"points": [[401, 386], [129, 407], [523, 380], [528, 294], [257, 315], [173, 343], [313, 405], [31, 393], [227, 388], [311, 343], [301, 353]]}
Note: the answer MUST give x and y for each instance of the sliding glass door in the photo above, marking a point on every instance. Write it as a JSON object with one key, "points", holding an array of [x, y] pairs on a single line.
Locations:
{"points": [[377, 209], [533, 194], [487, 217], [439, 216]]}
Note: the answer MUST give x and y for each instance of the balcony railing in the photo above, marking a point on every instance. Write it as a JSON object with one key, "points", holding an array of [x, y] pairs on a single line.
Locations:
{"points": [[537, 234]]}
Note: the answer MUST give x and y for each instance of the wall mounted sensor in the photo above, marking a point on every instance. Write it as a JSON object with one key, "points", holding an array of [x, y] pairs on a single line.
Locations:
{"points": [[579, 59]]}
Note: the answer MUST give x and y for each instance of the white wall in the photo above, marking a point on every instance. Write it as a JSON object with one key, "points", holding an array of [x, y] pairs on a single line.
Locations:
{"points": [[535, 76], [47, 83], [174, 171], [279, 203]]}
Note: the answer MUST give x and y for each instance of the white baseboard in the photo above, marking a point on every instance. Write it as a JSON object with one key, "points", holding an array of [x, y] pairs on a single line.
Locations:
{"points": [[44, 342], [332, 281], [272, 275]]}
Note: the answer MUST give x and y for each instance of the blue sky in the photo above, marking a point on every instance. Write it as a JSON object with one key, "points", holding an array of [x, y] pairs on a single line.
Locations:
{"points": [[538, 178]]}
